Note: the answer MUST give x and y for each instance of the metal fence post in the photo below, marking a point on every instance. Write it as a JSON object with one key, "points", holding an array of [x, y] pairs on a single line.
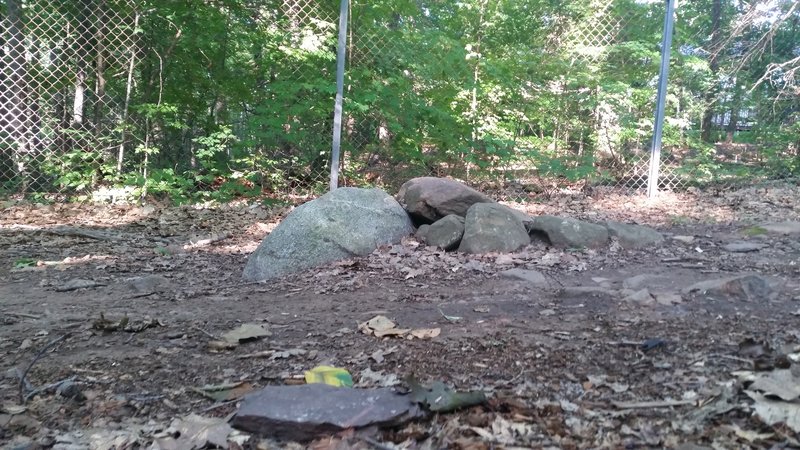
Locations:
{"points": [[337, 112], [661, 98]]}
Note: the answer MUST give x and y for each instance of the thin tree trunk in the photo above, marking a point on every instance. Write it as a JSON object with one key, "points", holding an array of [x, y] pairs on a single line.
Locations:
{"points": [[18, 124], [711, 95], [82, 48], [733, 121], [128, 90], [100, 65], [476, 79]]}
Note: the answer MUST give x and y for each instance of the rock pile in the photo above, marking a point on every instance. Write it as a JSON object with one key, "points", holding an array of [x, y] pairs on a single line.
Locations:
{"points": [[350, 222]]}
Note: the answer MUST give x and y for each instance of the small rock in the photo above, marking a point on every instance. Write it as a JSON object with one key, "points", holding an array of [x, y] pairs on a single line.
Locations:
{"points": [[744, 247], [639, 281], [422, 231], [747, 287], [446, 233], [570, 233], [592, 291], [684, 239], [78, 283], [547, 312], [634, 236], [667, 298], [531, 276], [641, 297], [70, 390], [147, 284]]}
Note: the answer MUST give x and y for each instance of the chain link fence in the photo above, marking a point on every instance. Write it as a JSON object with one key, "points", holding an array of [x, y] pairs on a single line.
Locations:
{"points": [[520, 97], [567, 100], [64, 84]]}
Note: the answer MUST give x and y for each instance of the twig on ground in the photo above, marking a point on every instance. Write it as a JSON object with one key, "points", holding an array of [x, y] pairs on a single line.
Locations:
{"points": [[652, 404], [205, 332], [219, 405], [376, 444], [24, 315], [33, 392], [39, 354]]}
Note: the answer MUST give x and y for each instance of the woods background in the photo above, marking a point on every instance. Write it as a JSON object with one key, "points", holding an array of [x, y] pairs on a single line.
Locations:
{"points": [[218, 99]]}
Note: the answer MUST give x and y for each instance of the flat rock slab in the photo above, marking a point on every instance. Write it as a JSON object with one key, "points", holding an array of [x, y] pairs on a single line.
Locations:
{"points": [[570, 233], [533, 277], [643, 280], [428, 199], [744, 247], [634, 236], [302, 413], [492, 227], [341, 224], [148, 284], [788, 227], [745, 287]]}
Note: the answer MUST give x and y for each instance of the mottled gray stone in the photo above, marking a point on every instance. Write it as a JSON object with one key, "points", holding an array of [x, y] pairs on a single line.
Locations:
{"points": [[745, 287], [570, 233], [533, 277], [491, 227], [634, 236], [446, 232], [341, 224], [428, 199]]}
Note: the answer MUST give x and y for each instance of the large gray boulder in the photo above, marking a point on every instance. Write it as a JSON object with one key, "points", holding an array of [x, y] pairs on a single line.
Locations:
{"points": [[341, 224], [570, 233], [428, 199], [634, 236], [446, 233], [492, 227]]}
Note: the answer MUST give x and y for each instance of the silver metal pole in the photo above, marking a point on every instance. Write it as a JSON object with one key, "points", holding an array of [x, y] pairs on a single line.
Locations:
{"points": [[337, 112], [658, 127]]}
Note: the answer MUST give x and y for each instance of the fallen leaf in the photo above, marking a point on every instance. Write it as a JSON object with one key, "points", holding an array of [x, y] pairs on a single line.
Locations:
{"points": [[332, 376], [288, 353], [391, 332], [195, 432], [245, 332], [368, 377], [773, 412], [225, 392], [781, 383], [426, 333], [379, 323], [440, 398]]}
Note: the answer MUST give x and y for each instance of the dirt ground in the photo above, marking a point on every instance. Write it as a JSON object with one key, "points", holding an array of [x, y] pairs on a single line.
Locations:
{"points": [[562, 367]]}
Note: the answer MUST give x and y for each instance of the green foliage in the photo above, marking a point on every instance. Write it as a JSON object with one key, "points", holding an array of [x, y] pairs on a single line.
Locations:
{"points": [[22, 263], [77, 170], [235, 98]]}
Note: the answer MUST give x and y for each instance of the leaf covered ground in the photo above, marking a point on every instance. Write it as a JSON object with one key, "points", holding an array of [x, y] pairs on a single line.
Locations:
{"points": [[116, 325]]}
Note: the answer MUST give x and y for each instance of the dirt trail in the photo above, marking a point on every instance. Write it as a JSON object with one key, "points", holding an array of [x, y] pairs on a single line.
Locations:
{"points": [[557, 362]]}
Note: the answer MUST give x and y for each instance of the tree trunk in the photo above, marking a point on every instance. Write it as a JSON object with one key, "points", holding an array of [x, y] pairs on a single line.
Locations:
{"points": [[16, 93], [735, 106], [711, 95], [100, 17], [82, 49], [126, 106]]}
